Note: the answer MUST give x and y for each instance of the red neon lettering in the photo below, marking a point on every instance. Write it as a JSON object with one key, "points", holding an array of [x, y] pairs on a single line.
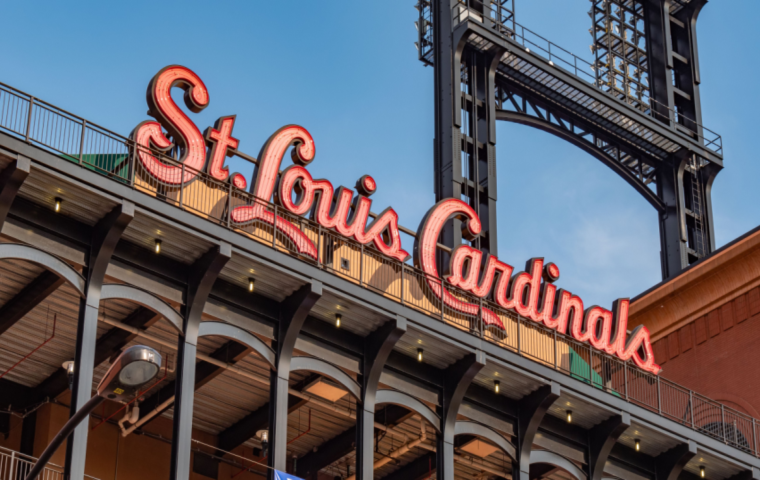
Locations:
{"points": [[221, 142], [263, 187], [338, 212], [425, 248], [640, 340], [238, 181], [568, 304], [620, 312], [348, 215], [598, 334], [532, 283], [184, 132]]}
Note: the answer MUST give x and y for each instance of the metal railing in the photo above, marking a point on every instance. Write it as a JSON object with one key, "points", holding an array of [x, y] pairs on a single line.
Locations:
{"points": [[16, 466], [109, 154], [583, 69]]}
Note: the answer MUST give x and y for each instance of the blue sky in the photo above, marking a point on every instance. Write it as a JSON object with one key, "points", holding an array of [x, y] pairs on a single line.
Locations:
{"points": [[348, 72]]}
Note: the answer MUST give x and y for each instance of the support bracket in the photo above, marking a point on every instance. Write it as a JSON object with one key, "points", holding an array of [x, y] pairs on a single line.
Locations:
{"points": [[601, 440], [201, 278], [378, 345], [670, 464], [531, 411], [456, 380], [11, 179]]}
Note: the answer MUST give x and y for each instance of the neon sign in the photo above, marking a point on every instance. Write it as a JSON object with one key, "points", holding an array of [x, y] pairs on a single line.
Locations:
{"points": [[530, 293]]}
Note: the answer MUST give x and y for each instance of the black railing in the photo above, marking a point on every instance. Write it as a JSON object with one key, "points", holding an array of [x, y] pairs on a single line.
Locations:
{"points": [[559, 57], [109, 154]]}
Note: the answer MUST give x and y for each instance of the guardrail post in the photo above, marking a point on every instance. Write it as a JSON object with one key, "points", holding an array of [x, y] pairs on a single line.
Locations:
{"points": [[480, 317], [319, 246], [131, 159], [556, 361], [754, 437], [591, 366], [519, 350], [274, 228], [229, 207], [81, 141], [659, 396], [625, 379], [182, 187], [29, 118], [691, 407], [403, 271], [723, 423], [361, 265], [443, 304]]}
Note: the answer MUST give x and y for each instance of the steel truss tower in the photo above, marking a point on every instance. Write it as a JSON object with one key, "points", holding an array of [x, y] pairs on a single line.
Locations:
{"points": [[636, 107]]}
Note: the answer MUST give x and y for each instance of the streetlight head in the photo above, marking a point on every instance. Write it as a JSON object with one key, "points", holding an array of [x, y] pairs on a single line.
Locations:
{"points": [[68, 365], [135, 367]]}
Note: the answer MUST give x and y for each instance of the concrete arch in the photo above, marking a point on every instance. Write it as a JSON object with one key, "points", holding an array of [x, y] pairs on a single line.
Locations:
{"points": [[32, 254], [403, 400], [238, 334], [551, 458], [316, 365], [486, 433], [142, 297]]}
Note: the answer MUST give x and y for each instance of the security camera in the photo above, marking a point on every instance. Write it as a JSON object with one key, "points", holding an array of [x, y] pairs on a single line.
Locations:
{"points": [[263, 436]]}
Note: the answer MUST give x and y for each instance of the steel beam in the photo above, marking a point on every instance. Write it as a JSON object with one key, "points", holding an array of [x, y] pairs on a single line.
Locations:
{"points": [[203, 274], [377, 347], [422, 467], [230, 352], [29, 297], [293, 313], [669, 465], [752, 474], [11, 179], [532, 409], [309, 465], [105, 236], [246, 428], [457, 379], [106, 346], [601, 440]]}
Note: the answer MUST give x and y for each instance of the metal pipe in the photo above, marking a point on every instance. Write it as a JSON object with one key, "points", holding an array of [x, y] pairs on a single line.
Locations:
{"points": [[52, 336], [61, 436], [400, 450], [472, 463]]}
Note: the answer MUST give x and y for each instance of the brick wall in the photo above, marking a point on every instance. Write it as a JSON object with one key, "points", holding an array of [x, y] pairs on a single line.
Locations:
{"points": [[718, 354]]}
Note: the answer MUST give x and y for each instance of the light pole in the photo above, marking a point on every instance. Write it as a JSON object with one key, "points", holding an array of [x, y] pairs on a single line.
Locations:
{"points": [[135, 367]]}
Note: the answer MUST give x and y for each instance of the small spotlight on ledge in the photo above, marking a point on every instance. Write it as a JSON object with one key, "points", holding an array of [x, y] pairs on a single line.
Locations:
{"points": [[251, 283], [58, 202], [702, 471], [158, 246], [637, 444], [419, 354], [338, 318], [496, 386], [569, 416]]}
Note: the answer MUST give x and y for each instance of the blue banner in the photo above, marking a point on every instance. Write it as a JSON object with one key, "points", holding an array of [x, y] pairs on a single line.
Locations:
{"points": [[278, 475]]}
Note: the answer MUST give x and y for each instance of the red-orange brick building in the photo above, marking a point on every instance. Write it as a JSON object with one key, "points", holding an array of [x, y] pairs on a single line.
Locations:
{"points": [[705, 324]]}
